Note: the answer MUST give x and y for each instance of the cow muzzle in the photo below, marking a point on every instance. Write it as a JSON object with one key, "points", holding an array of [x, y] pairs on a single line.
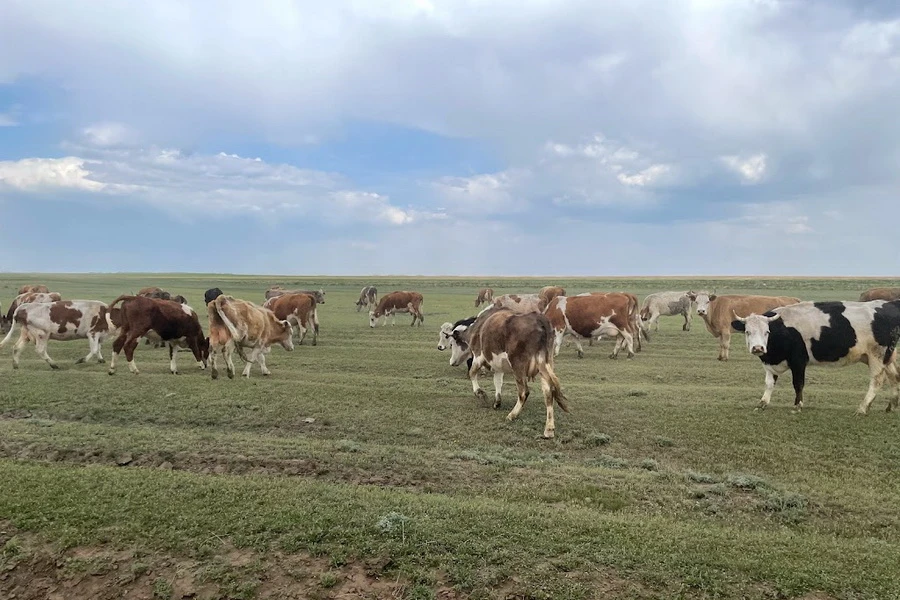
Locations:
{"points": [[757, 350]]}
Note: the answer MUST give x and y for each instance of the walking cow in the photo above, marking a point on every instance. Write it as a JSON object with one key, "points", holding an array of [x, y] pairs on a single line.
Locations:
{"points": [[718, 312], [398, 302]]}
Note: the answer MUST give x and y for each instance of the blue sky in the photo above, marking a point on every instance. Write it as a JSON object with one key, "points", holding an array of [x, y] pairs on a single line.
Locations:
{"points": [[457, 137]]}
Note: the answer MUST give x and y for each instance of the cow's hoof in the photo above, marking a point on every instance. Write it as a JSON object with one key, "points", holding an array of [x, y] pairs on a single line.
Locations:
{"points": [[230, 375], [614, 356], [101, 361], [15, 366], [631, 354], [480, 394], [496, 404], [174, 372], [264, 374], [214, 375], [549, 435], [580, 354], [54, 366], [111, 372], [79, 361], [314, 342], [861, 412]]}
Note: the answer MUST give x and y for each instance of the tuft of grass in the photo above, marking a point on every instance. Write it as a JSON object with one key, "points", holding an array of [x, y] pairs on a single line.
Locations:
{"points": [[636, 393], [746, 482], [393, 524], [328, 580], [664, 442], [701, 477], [596, 439], [348, 446], [162, 589], [610, 462], [649, 464]]}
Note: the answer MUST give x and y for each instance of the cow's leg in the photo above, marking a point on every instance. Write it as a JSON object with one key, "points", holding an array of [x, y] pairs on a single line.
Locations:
{"points": [[560, 334], [654, 321], [724, 344], [498, 387], [94, 345], [772, 374], [687, 321], [130, 346], [173, 353], [17, 349], [118, 344], [877, 375], [301, 330], [213, 363], [474, 370], [523, 392], [315, 328], [628, 341], [40, 346], [393, 318], [254, 357], [261, 359], [229, 364], [550, 422], [798, 378], [893, 374], [578, 346]]}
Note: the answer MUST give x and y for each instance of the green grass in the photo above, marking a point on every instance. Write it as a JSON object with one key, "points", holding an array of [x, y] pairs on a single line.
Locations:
{"points": [[663, 481]]}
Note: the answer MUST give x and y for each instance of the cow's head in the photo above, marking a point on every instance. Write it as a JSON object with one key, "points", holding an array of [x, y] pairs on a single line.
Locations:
{"points": [[756, 331], [320, 296], [372, 318], [459, 345], [287, 335], [702, 299], [444, 336]]}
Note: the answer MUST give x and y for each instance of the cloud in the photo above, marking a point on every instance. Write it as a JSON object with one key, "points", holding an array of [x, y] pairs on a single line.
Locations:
{"points": [[752, 169], [8, 120], [48, 173], [108, 134]]}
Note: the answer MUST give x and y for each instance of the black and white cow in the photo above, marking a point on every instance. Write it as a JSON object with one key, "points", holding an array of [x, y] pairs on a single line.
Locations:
{"points": [[826, 333], [458, 352]]}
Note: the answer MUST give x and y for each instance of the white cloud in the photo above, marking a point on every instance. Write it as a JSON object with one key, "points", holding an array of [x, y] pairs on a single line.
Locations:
{"points": [[8, 120], [105, 135], [486, 193], [645, 177], [48, 173], [752, 169]]}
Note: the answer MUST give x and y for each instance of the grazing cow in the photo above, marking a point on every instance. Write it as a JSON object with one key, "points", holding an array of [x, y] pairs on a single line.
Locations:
{"points": [[172, 322], [826, 333], [62, 320], [667, 304], [485, 295], [519, 303], [211, 294], [368, 296], [238, 324], [548, 293], [299, 309], [594, 315], [446, 339], [889, 294], [26, 298], [521, 344], [398, 302], [718, 312], [33, 289], [275, 291]]}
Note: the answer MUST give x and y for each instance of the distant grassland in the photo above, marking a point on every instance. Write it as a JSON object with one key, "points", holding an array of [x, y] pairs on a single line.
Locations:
{"points": [[366, 464]]}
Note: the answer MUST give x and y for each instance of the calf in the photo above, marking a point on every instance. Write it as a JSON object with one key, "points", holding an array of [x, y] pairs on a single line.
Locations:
{"points": [[299, 309], [211, 294], [521, 344], [667, 304], [238, 324], [826, 333], [368, 296], [718, 312], [398, 302], [889, 294], [446, 339], [594, 315], [172, 322], [61, 320], [33, 289], [485, 295]]}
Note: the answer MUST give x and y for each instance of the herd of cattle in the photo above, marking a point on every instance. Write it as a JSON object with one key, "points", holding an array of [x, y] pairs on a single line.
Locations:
{"points": [[516, 334]]}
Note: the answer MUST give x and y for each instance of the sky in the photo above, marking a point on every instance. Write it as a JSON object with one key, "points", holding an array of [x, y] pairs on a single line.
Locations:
{"points": [[451, 137]]}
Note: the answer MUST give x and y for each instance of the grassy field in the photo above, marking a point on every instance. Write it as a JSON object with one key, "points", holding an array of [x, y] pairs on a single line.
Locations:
{"points": [[365, 468]]}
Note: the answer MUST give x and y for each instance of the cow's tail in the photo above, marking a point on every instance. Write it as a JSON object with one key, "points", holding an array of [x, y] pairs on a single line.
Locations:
{"points": [[121, 298], [12, 329], [219, 304], [888, 353]]}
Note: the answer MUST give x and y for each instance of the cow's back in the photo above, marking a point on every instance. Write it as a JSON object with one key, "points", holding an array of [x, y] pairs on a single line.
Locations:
{"points": [[723, 308], [887, 294]]}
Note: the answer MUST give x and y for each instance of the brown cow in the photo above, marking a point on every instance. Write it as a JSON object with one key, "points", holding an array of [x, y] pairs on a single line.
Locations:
{"points": [[519, 303], [277, 290], [485, 295], [368, 296], [33, 289], [63, 320], [889, 294], [26, 298], [299, 309], [236, 324], [172, 322], [154, 292], [719, 311], [592, 315], [398, 302], [521, 344], [548, 293]]}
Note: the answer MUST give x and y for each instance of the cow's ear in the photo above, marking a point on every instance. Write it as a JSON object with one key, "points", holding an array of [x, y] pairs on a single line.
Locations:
{"points": [[712, 297], [738, 325]]}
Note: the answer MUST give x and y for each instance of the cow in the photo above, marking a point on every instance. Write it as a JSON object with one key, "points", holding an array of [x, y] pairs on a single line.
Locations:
{"points": [[549, 292], [172, 322], [26, 298], [275, 291], [594, 315], [398, 302], [667, 304], [519, 303], [716, 312], [33, 289], [237, 324], [520, 344], [299, 309], [154, 292], [368, 296], [830, 334], [179, 299], [485, 295], [446, 339], [211, 294], [61, 320], [889, 294]]}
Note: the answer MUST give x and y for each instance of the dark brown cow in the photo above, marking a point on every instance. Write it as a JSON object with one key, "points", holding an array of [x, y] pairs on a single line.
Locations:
{"points": [[593, 315], [889, 294], [171, 321], [521, 344], [485, 295], [299, 309], [33, 289], [62, 320], [398, 302]]}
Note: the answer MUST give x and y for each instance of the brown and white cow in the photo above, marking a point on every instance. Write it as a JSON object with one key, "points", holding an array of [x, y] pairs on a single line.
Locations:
{"points": [[172, 322], [237, 324], [519, 303], [62, 320], [398, 302], [35, 289], [520, 344], [368, 296], [485, 295], [299, 310], [719, 311], [275, 291], [549, 292], [888, 294], [589, 316], [26, 298]]}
